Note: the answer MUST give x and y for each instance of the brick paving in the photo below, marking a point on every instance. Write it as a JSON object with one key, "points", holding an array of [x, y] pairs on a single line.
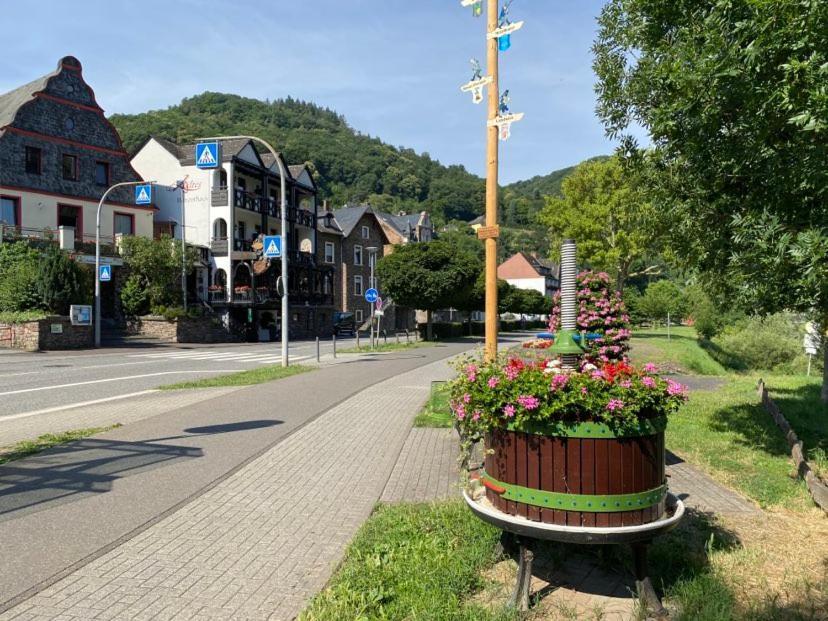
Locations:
{"points": [[262, 542], [427, 468]]}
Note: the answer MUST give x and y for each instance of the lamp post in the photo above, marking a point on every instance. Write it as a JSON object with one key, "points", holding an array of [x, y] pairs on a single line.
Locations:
{"points": [[282, 176], [372, 259], [98, 253], [181, 185]]}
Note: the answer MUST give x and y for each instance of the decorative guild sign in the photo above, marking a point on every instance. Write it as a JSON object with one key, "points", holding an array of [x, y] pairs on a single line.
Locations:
{"points": [[488, 232], [504, 123], [478, 81]]}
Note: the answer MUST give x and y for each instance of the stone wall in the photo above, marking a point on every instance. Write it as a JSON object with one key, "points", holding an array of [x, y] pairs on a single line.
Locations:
{"points": [[39, 335], [182, 330]]}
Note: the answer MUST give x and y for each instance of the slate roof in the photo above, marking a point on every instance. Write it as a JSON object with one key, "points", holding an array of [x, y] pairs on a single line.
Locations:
{"points": [[186, 152], [404, 225], [348, 217], [10, 102]]}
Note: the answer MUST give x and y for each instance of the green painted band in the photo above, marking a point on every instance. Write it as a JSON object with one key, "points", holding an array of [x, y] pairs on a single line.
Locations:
{"points": [[644, 427], [598, 503]]}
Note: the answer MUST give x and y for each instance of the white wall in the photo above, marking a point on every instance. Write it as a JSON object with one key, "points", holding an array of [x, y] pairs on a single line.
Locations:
{"points": [[538, 284]]}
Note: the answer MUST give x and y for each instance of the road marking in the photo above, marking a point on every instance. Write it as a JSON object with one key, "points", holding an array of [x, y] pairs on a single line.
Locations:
{"points": [[113, 379], [77, 405]]}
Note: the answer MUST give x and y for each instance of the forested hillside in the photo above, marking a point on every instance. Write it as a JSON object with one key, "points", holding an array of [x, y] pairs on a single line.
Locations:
{"points": [[348, 166]]}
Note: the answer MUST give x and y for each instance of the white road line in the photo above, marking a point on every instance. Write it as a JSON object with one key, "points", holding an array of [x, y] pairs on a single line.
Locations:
{"points": [[82, 404], [113, 379]]}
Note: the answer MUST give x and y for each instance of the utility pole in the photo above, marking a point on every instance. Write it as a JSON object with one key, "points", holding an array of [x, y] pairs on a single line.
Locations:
{"points": [[491, 183]]}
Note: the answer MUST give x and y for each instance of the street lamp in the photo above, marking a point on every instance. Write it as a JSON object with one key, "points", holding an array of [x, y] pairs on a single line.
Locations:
{"points": [[372, 259], [98, 253], [282, 175]]}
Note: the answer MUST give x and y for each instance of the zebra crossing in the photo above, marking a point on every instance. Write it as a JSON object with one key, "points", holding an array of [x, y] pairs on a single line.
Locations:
{"points": [[268, 356]]}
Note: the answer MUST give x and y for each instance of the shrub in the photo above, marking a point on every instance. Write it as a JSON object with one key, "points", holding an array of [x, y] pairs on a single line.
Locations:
{"points": [[18, 277], [61, 282], [21, 316], [134, 299], [661, 298], [771, 343]]}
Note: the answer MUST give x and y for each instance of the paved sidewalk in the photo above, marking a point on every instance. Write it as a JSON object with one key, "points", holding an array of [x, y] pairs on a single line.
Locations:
{"points": [[427, 468], [264, 540]]}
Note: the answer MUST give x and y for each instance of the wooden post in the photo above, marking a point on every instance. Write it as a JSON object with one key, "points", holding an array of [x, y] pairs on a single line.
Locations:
{"points": [[491, 186]]}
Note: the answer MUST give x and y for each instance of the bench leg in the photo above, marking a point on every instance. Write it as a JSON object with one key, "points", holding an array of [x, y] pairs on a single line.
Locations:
{"points": [[520, 596], [643, 584]]}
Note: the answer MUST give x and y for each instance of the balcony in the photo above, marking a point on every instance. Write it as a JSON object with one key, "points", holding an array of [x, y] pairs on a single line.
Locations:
{"points": [[304, 217], [247, 200], [301, 259], [243, 295], [217, 295]]}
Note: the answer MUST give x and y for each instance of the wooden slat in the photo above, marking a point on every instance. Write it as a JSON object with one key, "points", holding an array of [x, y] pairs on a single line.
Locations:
{"points": [[588, 475], [547, 475], [533, 471], [635, 450], [648, 473], [573, 477], [602, 476], [616, 477], [559, 466], [521, 448], [511, 462]]}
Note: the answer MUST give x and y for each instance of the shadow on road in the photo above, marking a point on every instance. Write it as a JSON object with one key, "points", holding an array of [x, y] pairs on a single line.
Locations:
{"points": [[75, 470]]}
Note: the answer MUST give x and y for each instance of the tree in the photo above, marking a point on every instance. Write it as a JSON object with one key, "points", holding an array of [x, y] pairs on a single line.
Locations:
{"points": [[732, 93], [429, 276], [660, 299], [61, 282], [154, 272], [525, 302], [610, 218], [18, 277]]}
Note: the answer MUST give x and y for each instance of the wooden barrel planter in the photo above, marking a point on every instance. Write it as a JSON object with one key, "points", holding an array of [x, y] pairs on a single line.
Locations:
{"points": [[578, 475]]}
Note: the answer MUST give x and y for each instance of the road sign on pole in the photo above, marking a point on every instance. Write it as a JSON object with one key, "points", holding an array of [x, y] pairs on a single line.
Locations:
{"points": [[272, 247], [143, 194], [372, 295], [378, 304], [207, 154], [105, 273]]}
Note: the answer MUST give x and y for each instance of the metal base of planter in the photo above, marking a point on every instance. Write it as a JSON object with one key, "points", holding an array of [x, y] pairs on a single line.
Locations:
{"points": [[525, 532]]}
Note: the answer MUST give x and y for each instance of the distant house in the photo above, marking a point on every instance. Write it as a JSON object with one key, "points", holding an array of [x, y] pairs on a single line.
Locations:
{"points": [[477, 223], [404, 228], [527, 271], [58, 155]]}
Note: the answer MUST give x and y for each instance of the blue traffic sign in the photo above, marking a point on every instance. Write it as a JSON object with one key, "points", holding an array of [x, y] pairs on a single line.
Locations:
{"points": [[143, 194], [105, 273], [272, 247], [372, 295], [207, 154]]}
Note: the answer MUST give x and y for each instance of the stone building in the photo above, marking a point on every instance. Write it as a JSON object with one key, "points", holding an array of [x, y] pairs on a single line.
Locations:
{"points": [[58, 155], [404, 228]]}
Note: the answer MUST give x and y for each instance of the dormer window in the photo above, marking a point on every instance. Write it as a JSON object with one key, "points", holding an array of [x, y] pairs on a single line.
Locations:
{"points": [[366, 232]]}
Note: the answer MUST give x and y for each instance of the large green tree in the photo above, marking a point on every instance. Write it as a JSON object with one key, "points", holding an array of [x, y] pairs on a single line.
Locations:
{"points": [[733, 95], [154, 273], [429, 276], [614, 223]]}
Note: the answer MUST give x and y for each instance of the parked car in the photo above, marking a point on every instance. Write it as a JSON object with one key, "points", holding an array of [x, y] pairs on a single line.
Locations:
{"points": [[344, 323]]}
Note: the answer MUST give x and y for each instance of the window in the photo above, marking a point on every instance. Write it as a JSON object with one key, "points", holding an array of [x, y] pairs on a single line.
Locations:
{"points": [[358, 286], [9, 211], [69, 123], [330, 255], [124, 224], [241, 230], [357, 255], [358, 317], [33, 160], [102, 173], [70, 167], [366, 232], [71, 215]]}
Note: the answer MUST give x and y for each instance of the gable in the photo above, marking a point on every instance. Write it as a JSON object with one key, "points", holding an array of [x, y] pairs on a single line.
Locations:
{"points": [[249, 154], [305, 179], [518, 266]]}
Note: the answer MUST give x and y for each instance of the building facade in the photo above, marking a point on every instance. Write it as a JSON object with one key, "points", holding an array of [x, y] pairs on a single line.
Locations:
{"points": [[526, 271], [58, 155], [227, 211]]}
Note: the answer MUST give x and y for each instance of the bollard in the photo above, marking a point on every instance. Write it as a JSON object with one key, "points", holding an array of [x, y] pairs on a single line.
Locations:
{"points": [[397, 336], [406, 337], [317, 349], [334, 345], [385, 337], [357, 338]]}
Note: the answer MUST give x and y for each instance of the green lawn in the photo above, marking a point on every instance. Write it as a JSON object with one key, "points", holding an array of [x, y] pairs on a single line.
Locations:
{"points": [[243, 378], [680, 354], [412, 562], [436, 412], [46, 441], [365, 347]]}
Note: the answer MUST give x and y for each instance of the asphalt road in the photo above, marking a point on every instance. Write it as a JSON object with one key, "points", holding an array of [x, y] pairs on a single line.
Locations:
{"points": [[34, 382]]}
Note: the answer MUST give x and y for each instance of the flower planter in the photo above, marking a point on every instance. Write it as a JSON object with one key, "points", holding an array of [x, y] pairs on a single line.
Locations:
{"points": [[578, 475]]}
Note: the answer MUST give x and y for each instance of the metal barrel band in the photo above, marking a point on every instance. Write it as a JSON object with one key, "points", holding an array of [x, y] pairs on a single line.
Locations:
{"points": [[597, 503], [645, 427]]}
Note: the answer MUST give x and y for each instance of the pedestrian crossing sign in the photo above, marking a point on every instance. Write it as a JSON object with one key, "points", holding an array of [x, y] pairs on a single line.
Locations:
{"points": [[105, 273], [143, 194], [272, 247], [207, 155]]}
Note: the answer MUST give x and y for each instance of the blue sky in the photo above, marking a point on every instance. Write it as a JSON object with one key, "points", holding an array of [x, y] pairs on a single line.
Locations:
{"points": [[392, 67]]}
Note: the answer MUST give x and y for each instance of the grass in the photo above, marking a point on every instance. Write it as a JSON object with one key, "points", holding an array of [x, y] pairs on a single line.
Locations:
{"points": [[682, 353], [243, 378], [384, 347], [436, 412], [412, 562], [21, 316], [47, 441]]}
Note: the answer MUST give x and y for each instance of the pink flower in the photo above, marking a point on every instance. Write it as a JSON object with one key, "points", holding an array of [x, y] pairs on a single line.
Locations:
{"points": [[530, 403], [584, 390], [597, 375], [509, 411], [493, 381], [476, 416], [511, 372], [650, 368], [471, 372], [675, 389], [615, 404], [648, 382], [467, 398], [624, 384], [559, 381], [460, 411]]}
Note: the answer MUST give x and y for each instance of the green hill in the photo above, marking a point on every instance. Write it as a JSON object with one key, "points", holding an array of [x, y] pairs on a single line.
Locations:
{"points": [[348, 166]]}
